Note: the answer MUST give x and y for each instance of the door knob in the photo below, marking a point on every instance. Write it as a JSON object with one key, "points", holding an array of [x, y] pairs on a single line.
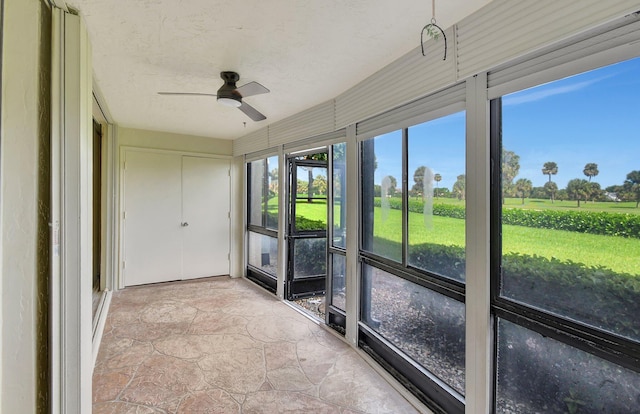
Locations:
{"points": [[184, 224]]}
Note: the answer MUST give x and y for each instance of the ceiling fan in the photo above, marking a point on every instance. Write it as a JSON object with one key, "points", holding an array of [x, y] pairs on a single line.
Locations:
{"points": [[230, 95]]}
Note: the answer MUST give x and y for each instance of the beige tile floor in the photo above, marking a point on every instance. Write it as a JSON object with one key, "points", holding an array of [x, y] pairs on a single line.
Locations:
{"points": [[222, 345]]}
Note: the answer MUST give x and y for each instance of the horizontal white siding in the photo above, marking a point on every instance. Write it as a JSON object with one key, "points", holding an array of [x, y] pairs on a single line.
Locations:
{"points": [[255, 141], [617, 41], [408, 78], [506, 29], [433, 106], [315, 121]]}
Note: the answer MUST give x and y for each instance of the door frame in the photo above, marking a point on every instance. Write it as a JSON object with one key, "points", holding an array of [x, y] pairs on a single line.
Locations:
{"points": [[119, 274], [313, 285]]}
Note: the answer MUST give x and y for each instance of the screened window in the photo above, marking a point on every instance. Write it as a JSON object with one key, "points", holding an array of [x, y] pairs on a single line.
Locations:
{"points": [[337, 258], [257, 176], [569, 217], [262, 243], [539, 374], [382, 195], [413, 253], [436, 203], [339, 189], [425, 325], [568, 255], [263, 193], [263, 252]]}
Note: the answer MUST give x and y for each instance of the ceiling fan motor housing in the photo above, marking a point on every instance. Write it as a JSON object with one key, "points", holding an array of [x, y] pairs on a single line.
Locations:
{"points": [[229, 89]]}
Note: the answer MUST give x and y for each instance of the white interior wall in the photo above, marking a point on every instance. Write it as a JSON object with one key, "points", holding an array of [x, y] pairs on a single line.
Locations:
{"points": [[176, 142], [24, 100]]}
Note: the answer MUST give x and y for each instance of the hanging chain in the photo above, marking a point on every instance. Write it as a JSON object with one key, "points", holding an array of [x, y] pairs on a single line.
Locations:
{"points": [[433, 11]]}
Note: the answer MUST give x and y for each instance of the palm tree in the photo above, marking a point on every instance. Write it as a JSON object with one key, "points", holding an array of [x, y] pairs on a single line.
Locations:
{"points": [[509, 171], [591, 170], [459, 187], [578, 189], [551, 188], [418, 178], [633, 184], [595, 191], [523, 187], [437, 178], [320, 157], [550, 168]]}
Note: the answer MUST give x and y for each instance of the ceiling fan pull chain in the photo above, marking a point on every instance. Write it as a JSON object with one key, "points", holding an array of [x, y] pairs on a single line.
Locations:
{"points": [[433, 31]]}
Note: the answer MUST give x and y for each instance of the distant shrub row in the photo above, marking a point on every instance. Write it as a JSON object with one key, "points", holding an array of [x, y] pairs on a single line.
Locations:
{"points": [[602, 223], [594, 222], [303, 223], [595, 295]]}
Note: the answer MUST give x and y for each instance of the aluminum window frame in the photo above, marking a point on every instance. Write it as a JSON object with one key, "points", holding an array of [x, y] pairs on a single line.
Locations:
{"points": [[431, 391]]}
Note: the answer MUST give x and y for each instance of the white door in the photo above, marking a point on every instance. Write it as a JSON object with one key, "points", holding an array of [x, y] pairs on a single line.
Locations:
{"points": [[152, 218], [206, 204]]}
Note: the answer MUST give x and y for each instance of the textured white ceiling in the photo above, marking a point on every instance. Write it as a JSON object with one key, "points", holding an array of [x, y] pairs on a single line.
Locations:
{"points": [[305, 51]]}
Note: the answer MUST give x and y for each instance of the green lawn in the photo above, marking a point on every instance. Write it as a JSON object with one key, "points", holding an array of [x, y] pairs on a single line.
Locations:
{"points": [[619, 254], [316, 210], [616, 253], [539, 204]]}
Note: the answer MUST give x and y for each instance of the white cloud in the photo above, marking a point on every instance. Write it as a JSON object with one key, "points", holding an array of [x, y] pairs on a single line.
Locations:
{"points": [[539, 94]]}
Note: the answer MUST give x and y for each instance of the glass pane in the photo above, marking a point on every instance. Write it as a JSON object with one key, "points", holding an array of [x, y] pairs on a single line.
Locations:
{"points": [[425, 325], [381, 195], [256, 200], [539, 374], [339, 195], [272, 197], [338, 294], [263, 252], [436, 219], [310, 257], [311, 199], [571, 185]]}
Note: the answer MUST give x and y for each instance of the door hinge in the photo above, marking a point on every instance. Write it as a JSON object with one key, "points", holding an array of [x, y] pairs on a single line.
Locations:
{"points": [[124, 215], [229, 173], [124, 264], [229, 214], [228, 256]]}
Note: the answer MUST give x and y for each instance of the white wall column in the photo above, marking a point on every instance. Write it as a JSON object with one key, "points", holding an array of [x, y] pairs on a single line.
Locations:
{"points": [[283, 206], [478, 317], [71, 279], [353, 225], [238, 214]]}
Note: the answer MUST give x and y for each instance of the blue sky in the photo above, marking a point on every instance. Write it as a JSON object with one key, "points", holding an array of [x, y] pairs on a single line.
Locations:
{"points": [[590, 117]]}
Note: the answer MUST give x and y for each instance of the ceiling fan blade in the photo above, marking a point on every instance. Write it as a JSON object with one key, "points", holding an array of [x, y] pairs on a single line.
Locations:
{"points": [[251, 112], [252, 88], [187, 93]]}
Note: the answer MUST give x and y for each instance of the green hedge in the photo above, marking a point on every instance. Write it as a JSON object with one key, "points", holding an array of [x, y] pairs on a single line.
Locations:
{"points": [[595, 295], [303, 223], [417, 206], [592, 222], [447, 261]]}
